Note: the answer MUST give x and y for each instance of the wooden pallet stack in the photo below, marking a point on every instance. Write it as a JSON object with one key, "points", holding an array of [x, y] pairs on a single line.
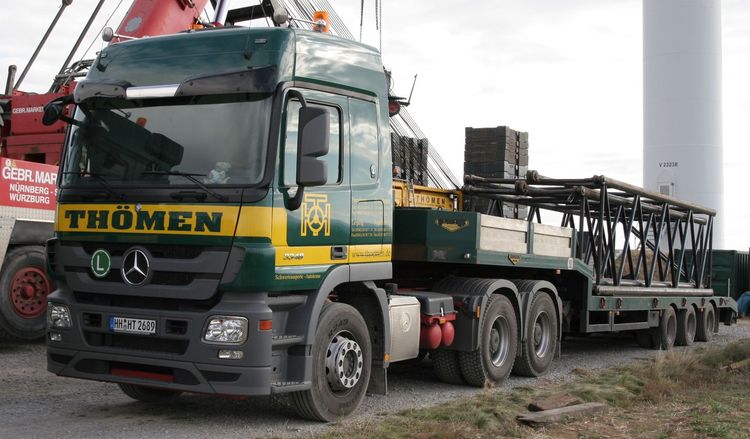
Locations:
{"points": [[410, 159], [498, 152]]}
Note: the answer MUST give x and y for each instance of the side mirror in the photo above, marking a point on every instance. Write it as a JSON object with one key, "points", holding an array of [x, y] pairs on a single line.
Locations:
{"points": [[312, 143], [54, 110]]}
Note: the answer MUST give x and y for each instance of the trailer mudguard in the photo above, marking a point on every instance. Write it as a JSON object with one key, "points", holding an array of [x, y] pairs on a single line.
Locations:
{"points": [[474, 293]]}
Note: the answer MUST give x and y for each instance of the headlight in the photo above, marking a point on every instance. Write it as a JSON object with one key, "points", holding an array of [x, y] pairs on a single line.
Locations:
{"points": [[58, 316], [226, 330]]}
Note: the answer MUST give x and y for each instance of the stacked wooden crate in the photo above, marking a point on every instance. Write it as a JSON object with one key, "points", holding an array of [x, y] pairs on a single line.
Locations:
{"points": [[410, 159], [498, 152]]}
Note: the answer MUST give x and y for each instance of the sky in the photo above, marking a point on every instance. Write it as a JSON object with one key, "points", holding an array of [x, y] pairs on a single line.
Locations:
{"points": [[568, 72]]}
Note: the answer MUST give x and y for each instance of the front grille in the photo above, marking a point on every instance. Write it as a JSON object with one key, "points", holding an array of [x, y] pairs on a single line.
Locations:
{"points": [[173, 278], [92, 320], [156, 250], [143, 302], [176, 327], [136, 343]]}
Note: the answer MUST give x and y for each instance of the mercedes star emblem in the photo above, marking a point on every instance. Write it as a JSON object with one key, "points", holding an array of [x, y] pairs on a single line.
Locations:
{"points": [[135, 267]]}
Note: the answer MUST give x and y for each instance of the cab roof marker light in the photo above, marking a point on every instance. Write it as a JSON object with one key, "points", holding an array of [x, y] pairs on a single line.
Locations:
{"points": [[151, 91]]}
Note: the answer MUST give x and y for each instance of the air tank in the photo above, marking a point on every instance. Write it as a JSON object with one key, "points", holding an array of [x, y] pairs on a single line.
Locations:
{"points": [[682, 121]]}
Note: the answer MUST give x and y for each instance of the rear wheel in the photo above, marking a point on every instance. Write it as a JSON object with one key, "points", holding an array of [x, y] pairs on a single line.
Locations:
{"points": [[24, 288], [686, 325], [149, 394], [706, 320], [447, 367], [341, 356], [538, 350], [498, 343], [666, 333]]}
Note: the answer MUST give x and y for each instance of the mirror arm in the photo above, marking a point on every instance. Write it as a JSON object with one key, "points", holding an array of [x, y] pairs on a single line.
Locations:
{"points": [[298, 95], [70, 120], [295, 202]]}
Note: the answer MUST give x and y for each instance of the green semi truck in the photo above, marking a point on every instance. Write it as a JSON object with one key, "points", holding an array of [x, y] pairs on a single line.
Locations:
{"points": [[228, 224]]}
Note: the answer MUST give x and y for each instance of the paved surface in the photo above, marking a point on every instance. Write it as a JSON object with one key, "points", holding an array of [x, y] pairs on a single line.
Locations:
{"points": [[35, 403]]}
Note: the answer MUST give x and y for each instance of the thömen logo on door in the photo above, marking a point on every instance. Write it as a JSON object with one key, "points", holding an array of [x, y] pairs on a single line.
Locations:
{"points": [[316, 215]]}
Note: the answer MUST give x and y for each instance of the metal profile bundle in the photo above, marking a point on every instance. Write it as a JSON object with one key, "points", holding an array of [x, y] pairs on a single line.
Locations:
{"points": [[636, 241], [498, 152]]}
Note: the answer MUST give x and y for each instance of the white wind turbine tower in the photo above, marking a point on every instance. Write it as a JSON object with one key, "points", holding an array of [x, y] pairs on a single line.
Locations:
{"points": [[682, 120]]}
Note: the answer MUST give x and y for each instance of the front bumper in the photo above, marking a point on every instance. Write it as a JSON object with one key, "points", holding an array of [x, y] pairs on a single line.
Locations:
{"points": [[175, 357]]}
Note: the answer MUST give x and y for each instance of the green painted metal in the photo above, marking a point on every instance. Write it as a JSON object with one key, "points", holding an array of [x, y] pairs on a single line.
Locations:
{"points": [[453, 237], [171, 59]]}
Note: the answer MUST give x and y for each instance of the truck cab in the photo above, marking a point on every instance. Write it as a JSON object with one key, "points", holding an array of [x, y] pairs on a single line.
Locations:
{"points": [[216, 188]]}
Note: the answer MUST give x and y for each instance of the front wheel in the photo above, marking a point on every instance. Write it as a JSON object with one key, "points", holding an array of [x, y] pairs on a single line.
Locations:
{"points": [[341, 356]]}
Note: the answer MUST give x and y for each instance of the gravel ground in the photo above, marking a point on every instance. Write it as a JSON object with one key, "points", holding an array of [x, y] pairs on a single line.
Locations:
{"points": [[35, 403]]}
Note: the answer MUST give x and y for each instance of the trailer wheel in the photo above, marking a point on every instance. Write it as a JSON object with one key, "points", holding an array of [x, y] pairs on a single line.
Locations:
{"points": [[498, 343], [538, 350], [149, 394], [24, 287], [447, 367], [666, 333], [341, 356], [704, 331], [686, 324]]}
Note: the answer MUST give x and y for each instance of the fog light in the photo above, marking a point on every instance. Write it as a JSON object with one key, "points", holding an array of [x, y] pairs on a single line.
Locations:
{"points": [[58, 316], [226, 330], [55, 336], [226, 354]]}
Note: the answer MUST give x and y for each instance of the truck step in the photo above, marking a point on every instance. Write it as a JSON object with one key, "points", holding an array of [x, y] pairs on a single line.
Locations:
{"points": [[285, 341]]}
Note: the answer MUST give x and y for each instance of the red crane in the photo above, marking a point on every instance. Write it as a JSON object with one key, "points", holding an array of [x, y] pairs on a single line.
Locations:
{"points": [[22, 134], [27, 190]]}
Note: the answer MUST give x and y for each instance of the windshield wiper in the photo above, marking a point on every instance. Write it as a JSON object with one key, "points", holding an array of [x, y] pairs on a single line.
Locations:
{"points": [[99, 179], [191, 177]]}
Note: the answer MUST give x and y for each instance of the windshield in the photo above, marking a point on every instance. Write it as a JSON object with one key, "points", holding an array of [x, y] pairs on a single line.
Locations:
{"points": [[215, 140]]}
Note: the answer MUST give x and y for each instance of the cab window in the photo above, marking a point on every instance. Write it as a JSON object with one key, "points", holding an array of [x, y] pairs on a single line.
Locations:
{"points": [[333, 158]]}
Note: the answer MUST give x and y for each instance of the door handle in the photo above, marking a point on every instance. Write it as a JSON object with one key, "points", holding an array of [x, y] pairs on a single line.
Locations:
{"points": [[338, 252]]}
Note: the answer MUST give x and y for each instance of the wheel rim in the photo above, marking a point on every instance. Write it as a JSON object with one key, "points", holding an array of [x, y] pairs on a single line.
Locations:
{"points": [[344, 362], [542, 334], [499, 341], [29, 288]]}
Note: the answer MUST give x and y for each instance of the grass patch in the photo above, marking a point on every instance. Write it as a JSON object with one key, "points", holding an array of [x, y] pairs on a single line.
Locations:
{"points": [[681, 394]]}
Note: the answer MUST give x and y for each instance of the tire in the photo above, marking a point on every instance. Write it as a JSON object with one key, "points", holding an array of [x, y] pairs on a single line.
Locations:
{"points": [[666, 333], [24, 287], [447, 367], [149, 394], [706, 319], [498, 344], [538, 350], [686, 326], [342, 357]]}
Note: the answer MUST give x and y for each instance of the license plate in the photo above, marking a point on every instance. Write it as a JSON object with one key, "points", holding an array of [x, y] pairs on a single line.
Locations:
{"points": [[132, 326]]}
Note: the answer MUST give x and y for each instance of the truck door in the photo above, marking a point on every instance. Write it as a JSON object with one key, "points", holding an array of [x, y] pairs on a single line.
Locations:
{"points": [[368, 207], [312, 238]]}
